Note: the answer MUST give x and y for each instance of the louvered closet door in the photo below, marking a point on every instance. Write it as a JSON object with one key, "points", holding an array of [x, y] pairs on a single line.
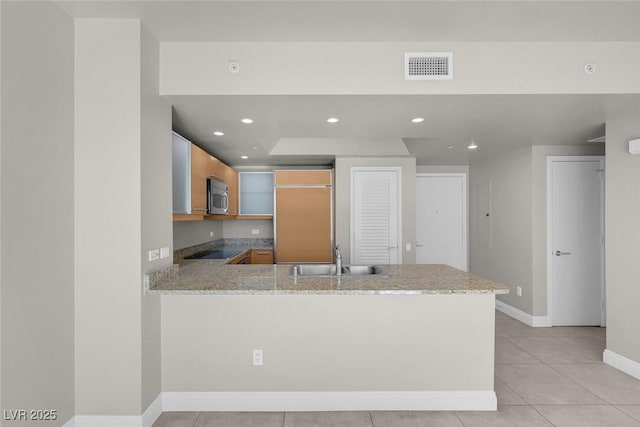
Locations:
{"points": [[375, 216]]}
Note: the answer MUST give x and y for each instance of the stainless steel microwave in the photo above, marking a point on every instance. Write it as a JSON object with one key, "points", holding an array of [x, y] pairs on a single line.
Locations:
{"points": [[217, 197]]}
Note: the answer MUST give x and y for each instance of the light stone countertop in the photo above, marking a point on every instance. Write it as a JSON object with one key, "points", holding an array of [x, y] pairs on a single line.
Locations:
{"points": [[216, 278]]}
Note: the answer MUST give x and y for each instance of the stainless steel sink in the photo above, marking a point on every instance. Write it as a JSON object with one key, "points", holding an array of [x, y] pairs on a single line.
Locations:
{"points": [[313, 270], [327, 270], [362, 270]]}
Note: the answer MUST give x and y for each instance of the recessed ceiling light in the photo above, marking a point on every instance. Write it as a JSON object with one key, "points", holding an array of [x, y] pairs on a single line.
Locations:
{"points": [[333, 120], [472, 146], [218, 133], [254, 148], [417, 120], [244, 157], [450, 147], [247, 121]]}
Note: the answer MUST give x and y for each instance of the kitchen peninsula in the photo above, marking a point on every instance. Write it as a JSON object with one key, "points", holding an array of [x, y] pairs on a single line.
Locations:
{"points": [[421, 338]]}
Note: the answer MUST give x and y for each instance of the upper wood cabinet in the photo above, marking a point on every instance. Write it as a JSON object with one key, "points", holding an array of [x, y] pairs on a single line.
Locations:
{"points": [[199, 169], [192, 166], [303, 177]]}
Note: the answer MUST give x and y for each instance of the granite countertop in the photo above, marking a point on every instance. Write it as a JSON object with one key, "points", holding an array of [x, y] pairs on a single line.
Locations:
{"points": [[215, 277]]}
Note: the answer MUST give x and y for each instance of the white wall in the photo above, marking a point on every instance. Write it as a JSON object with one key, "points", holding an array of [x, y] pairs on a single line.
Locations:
{"points": [[156, 202], [192, 233], [37, 250], [108, 272], [518, 256], [539, 217], [623, 235], [241, 229], [343, 201], [508, 259], [377, 68], [327, 342]]}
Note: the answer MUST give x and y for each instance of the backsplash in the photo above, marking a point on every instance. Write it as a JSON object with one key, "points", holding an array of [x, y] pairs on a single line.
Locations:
{"points": [[180, 254]]}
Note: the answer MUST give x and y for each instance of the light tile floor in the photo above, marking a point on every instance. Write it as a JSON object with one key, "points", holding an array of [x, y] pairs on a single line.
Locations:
{"points": [[544, 377]]}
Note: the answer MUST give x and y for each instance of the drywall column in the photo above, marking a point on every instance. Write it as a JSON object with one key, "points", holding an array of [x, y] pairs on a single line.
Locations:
{"points": [[622, 211], [155, 147], [108, 272], [37, 211]]}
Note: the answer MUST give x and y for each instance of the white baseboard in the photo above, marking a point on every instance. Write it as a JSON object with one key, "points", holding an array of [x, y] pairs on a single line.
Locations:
{"points": [[147, 419], [622, 363], [534, 321], [330, 401], [153, 411], [297, 401]]}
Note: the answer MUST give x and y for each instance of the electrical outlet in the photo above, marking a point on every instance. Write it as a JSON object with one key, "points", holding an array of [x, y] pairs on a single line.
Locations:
{"points": [[211, 234], [258, 359], [164, 252], [255, 231], [154, 255], [519, 291]]}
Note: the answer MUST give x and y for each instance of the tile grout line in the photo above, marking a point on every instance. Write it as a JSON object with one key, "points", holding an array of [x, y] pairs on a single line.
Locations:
{"points": [[509, 387], [579, 385], [542, 415], [461, 422], [196, 420]]}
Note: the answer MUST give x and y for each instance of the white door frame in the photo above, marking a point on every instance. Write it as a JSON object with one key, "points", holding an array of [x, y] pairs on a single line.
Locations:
{"points": [[550, 161], [352, 172], [465, 217]]}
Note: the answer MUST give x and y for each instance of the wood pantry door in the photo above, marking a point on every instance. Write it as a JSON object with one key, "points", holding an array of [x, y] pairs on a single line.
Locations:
{"points": [[376, 215]]}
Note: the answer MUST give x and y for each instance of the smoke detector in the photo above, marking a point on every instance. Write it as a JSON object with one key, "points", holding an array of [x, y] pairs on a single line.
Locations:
{"points": [[428, 66]]}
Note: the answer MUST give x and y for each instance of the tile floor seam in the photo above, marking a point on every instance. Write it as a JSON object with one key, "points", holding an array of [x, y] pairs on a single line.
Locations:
{"points": [[542, 415], [512, 390], [461, 422], [196, 420], [577, 383], [284, 417], [373, 424], [523, 349]]}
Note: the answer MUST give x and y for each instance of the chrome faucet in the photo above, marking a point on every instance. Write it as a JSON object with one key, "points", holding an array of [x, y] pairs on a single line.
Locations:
{"points": [[338, 261]]}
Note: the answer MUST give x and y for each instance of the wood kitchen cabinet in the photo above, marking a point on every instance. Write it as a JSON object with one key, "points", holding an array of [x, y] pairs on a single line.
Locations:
{"points": [[199, 162], [304, 215], [189, 178], [261, 256], [227, 175], [191, 167]]}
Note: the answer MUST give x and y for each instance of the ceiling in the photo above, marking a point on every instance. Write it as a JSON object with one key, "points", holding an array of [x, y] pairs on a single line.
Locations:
{"points": [[497, 123]]}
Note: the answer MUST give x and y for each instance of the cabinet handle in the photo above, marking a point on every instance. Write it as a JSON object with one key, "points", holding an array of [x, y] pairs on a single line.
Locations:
{"points": [[263, 253]]}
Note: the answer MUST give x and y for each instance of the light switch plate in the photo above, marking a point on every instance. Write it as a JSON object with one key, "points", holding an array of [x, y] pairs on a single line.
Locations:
{"points": [[255, 231], [154, 255], [634, 146], [164, 252]]}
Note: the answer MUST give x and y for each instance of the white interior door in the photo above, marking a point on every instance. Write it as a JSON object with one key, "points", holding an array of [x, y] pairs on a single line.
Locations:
{"points": [[576, 249], [441, 219], [375, 216]]}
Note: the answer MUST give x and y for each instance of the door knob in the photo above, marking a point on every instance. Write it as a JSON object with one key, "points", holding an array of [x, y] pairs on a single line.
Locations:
{"points": [[558, 253]]}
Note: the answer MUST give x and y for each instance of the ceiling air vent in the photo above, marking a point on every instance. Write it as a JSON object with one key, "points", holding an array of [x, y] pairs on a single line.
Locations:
{"points": [[428, 66]]}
